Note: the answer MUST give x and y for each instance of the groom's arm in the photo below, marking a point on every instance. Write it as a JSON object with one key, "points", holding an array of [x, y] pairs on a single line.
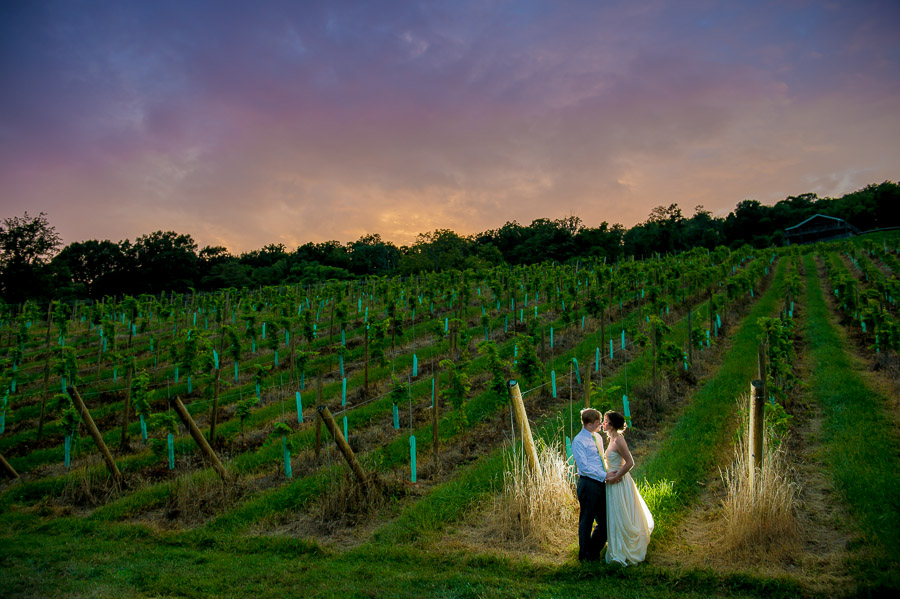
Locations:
{"points": [[588, 460]]}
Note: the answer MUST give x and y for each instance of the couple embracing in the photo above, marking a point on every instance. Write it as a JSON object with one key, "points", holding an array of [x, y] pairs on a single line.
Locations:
{"points": [[607, 494]]}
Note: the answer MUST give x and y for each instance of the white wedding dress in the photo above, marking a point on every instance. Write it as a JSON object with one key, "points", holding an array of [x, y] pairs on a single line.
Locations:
{"points": [[628, 521]]}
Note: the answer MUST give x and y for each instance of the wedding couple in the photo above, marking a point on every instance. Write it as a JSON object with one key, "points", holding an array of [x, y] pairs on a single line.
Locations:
{"points": [[607, 494]]}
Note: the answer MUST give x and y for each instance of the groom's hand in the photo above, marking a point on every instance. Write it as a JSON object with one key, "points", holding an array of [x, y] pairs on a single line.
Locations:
{"points": [[611, 477]]}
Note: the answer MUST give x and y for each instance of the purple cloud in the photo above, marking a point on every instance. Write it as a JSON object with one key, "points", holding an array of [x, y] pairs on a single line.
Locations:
{"points": [[292, 122]]}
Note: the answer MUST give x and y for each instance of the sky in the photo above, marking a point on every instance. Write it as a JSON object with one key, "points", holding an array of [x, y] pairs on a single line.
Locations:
{"points": [[250, 123]]}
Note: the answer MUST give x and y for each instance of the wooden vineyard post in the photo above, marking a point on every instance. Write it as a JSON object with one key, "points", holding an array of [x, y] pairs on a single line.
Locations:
{"points": [[318, 446], [587, 385], [40, 433], [5, 466], [756, 428], [434, 415], [123, 443], [214, 410], [98, 438], [763, 371], [336, 434], [200, 440], [524, 428], [366, 360], [690, 342]]}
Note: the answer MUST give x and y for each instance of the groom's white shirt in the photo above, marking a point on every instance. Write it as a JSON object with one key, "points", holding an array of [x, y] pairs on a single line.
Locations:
{"points": [[587, 456]]}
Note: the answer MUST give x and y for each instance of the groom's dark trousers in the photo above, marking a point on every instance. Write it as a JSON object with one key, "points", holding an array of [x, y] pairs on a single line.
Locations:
{"points": [[592, 500]]}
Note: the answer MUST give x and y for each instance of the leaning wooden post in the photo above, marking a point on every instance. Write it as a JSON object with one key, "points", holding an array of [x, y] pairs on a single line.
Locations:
{"points": [[338, 436], [98, 438], [200, 440], [524, 428], [756, 427], [7, 468]]}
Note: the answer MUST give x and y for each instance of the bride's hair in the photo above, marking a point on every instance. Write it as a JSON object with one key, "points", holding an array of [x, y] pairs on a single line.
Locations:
{"points": [[617, 420]]}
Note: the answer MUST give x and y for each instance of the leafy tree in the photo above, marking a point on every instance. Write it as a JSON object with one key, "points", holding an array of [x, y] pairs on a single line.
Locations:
{"points": [[282, 430], [95, 268], [302, 360], [26, 245], [243, 411], [140, 394], [69, 418], [163, 261], [163, 422], [529, 365], [456, 392], [499, 370]]}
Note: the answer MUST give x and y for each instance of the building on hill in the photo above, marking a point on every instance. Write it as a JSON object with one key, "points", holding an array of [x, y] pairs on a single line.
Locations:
{"points": [[819, 228]]}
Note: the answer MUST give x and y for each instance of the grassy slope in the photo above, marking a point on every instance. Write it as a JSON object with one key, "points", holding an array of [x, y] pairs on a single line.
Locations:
{"points": [[115, 560], [862, 445], [135, 562]]}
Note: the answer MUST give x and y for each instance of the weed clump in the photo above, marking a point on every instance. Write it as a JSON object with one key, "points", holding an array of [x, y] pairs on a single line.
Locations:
{"points": [[348, 502], [760, 515], [537, 509]]}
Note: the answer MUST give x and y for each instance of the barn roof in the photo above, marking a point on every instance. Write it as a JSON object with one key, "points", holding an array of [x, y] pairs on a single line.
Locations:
{"points": [[840, 220]]}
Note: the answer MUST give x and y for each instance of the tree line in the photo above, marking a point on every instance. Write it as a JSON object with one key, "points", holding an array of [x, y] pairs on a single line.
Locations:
{"points": [[34, 264]]}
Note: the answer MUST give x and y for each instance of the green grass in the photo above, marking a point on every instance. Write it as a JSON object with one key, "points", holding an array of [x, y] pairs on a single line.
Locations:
{"points": [[862, 442], [694, 447], [123, 561], [100, 557]]}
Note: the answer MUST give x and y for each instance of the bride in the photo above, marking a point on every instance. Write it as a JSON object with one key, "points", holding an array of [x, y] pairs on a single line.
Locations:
{"points": [[628, 521]]}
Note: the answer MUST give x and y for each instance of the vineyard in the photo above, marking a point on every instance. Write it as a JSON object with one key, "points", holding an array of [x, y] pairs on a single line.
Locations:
{"points": [[356, 438]]}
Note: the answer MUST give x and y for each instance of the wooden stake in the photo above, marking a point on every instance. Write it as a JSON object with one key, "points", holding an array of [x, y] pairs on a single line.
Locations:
{"points": [[214, 411], [434, 416], [587, 385], [123, 443], [318, 446], [756, 428], [40, 433], [763, 371], [98, 438], [524, 428], [200, 440], [366, 374], [5, 466], [336, 434], [690, 342]]}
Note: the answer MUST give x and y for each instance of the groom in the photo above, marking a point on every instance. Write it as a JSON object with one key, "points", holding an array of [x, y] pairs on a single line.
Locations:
{"points": [[587, 447]]}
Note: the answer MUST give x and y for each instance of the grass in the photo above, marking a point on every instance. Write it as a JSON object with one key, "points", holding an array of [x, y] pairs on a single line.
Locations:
{"points": [[115, 560], [760, 515], [696, 443], [101, 558], [536, 507], [862, 443]]}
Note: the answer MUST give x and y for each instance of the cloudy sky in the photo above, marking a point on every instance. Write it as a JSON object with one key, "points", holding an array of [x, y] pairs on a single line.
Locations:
{"points": [[248, 123]]}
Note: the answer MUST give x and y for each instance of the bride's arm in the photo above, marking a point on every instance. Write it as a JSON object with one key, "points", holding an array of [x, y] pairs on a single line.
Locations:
{"points": [[627, 460]]}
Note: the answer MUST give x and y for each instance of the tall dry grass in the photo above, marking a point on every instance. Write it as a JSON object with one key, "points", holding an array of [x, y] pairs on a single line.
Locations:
{"points": [[536, 509], [760, 517]]}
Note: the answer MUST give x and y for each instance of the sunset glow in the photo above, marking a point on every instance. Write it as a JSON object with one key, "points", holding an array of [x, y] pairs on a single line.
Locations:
{"points": [[244, 124]]}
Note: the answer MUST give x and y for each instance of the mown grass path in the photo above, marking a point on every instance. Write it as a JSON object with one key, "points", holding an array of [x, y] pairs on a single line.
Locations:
{"points": [[90, 559], [862, 444]]}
